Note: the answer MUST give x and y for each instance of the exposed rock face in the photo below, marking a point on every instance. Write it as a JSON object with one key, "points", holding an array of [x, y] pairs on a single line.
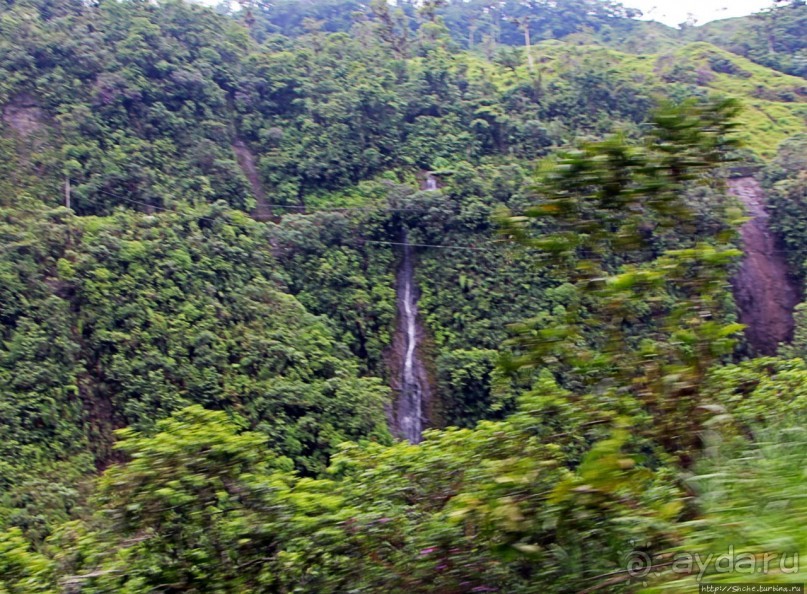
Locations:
{"points": [[410, 378], [246, 160], [24, 116], [765, 293]]}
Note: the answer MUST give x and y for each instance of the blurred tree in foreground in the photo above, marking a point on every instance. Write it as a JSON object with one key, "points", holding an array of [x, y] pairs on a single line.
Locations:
{"points": [[612, 205]]}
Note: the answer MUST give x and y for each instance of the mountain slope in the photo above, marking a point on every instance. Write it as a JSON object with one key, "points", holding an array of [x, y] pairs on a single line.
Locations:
{"points": [[201, 221]]}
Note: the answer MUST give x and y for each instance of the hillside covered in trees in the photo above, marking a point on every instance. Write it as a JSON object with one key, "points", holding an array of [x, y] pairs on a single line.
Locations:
{"points": [[335, 296]]}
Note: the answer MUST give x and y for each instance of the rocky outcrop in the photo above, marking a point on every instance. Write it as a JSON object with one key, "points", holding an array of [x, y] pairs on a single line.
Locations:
{"points": [[764, 290], [24, 117], [246, 160]]}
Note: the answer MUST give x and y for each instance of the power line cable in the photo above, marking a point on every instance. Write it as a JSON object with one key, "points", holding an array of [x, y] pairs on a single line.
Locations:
{"points": [[301, 208], [380, 242]]}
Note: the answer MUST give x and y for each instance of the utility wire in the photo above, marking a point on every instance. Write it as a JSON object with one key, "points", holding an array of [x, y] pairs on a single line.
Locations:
{"points": [[300, 208], [379, 242], [350, 209], [429, 245]]}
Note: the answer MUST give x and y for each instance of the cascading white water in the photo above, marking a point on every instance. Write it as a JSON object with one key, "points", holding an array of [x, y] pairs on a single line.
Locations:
{"points": [[410, 401]]}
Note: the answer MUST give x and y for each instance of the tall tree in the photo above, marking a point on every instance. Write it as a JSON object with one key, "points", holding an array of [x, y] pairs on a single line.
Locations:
{"points": [[608, 203]]}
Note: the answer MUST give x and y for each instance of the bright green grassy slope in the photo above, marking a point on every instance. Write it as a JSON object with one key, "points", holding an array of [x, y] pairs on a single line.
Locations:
{"points": [[775, 103]]}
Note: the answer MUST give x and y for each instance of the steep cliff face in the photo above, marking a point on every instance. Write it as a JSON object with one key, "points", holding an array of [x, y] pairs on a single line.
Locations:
{"points": [[247, 162], [24, 116], [765, 293]]}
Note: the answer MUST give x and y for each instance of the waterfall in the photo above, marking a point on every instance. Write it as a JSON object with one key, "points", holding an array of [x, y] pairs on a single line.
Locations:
{"points": [[413, 381]]}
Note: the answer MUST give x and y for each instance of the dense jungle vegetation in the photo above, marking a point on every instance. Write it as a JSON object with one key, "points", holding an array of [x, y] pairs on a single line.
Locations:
{"points": [[202, 213]]}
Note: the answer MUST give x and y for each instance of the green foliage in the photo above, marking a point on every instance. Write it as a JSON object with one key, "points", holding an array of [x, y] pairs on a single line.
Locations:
{"points": [[245, 361], [332, 272], [465, 384], [22, 571], [141, 106], [602, 198], [513, 505], [138, 97], [201, 506], [43, 436], [467, 22], [184, 512], [756, 394], [773, 37], [119, 321], [752, 500], [787, 196], [207, 322], [773, 103]]}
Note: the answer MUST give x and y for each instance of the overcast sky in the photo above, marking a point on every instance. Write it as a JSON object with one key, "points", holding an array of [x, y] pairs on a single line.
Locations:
{"points": [[675, 12]]}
